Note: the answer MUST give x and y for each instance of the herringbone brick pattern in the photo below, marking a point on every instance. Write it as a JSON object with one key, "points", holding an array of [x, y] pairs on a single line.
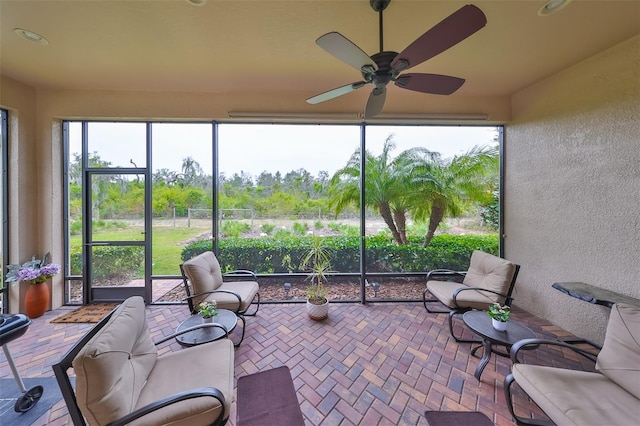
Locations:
{"points": [[375, 364]]}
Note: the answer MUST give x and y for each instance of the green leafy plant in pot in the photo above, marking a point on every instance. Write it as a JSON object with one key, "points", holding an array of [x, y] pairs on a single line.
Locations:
{"points": [[317, 262], [208, 310], [499, 316]]}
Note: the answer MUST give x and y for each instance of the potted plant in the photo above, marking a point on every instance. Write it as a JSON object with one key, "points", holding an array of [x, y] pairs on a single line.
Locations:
{"points": [[208, 310], [35, 272], [499, 316], [317, 262]]}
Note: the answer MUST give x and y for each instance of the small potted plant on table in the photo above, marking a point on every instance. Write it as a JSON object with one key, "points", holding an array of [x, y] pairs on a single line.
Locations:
{"points": [[208, 310], [499, 316]]}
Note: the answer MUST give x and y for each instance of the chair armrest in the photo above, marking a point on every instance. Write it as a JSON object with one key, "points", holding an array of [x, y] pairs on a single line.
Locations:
{"points": [[195, 327], [178, 397], [445, 273], [525, 344], [240, 273], [508, 299]]}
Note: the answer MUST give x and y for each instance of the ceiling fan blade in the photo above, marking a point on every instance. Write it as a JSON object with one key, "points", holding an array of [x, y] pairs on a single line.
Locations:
{"points": [[449, 32], [345, 50], [430, 83], [375, 103], [334, 93]]}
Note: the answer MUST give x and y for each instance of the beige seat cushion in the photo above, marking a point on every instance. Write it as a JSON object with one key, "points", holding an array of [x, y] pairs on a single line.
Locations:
{"points": [[619, 358], [579, 398], [112, 369], [443, 291], [247, 290], [207, 365], [490, 272]]}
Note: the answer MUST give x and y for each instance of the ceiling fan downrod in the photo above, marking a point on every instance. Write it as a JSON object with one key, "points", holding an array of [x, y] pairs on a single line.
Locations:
{"points": [[379, 6]]}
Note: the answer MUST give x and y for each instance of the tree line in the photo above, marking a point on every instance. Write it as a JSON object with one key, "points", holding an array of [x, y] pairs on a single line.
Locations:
{"points": [[417, 183]]}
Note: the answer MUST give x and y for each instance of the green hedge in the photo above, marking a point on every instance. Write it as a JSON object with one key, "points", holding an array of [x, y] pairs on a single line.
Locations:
{"points": [[111, 264], [283, 255]]}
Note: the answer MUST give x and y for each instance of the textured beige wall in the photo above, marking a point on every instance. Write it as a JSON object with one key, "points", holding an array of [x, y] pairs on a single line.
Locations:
{"points": [[24, 192], [572, 192]]}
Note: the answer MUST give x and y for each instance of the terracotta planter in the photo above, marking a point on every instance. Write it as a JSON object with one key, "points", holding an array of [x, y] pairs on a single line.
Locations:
{"points": [[36, 300], [318, 312]]}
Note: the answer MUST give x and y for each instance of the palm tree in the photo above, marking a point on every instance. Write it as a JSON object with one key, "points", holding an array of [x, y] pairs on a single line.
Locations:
{"points": [[446, 187], [385, 188]]}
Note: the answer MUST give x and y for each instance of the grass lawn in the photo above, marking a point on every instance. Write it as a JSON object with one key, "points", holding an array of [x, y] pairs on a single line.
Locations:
{"points": [[167, 244]]}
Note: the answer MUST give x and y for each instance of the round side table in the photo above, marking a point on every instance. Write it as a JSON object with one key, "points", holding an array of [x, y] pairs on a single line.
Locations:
{"points": [[480, 323]]}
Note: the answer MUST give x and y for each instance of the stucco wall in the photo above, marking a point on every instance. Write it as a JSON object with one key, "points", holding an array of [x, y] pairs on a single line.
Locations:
{"points": [[24, 171], [572, 192]]}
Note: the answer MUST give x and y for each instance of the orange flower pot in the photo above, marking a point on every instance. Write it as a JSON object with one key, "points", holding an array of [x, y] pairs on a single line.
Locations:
{"points": [[36, 300]]}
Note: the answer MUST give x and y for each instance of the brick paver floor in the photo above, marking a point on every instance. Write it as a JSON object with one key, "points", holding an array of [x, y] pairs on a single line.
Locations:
{"points": [[374, 364]]}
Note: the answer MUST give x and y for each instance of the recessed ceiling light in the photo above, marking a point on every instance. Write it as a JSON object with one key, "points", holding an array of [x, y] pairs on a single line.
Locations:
{"points": [[31, 36], [552, 6], [197, 2]]}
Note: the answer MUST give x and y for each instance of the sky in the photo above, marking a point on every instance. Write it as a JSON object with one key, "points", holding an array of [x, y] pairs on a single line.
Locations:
{"points": [[254, 148]]}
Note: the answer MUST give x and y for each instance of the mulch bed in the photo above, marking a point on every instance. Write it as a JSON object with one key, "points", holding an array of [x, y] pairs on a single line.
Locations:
{"points": [[272, 289]]}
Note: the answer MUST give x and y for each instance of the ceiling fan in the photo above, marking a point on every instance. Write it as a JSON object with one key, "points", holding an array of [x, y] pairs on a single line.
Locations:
{"points": [[386, 66]]}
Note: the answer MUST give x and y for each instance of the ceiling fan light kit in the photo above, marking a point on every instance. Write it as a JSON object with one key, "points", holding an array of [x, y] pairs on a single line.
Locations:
{"points": [[385, 66]]}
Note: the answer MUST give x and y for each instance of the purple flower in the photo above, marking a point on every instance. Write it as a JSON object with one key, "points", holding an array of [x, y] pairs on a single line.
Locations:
{"points": [[33, 271], [28, 274], [50, 270]]}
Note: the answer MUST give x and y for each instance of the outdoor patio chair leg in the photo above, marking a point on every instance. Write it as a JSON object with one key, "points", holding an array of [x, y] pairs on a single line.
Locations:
{"points": [[241, 318], [508, 381], [432, 300], [456, 338], [257, 303]]}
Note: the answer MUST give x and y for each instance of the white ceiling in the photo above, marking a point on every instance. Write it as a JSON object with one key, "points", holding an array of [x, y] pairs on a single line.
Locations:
{"points": [[237, 46]]}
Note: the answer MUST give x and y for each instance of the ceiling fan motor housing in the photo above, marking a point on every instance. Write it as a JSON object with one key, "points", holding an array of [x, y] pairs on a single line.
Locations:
{"points": [[379, 5], [384, 74]]}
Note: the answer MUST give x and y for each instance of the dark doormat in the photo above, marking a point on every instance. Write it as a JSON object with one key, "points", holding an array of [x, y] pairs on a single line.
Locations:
{"points": [[9, 394], [457, 418], [268, 398]]}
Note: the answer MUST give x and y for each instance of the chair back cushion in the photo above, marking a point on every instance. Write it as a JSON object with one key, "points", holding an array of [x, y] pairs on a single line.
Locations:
{"points": [[113, 367], [619, 358], [204, 274], [490, 272]]}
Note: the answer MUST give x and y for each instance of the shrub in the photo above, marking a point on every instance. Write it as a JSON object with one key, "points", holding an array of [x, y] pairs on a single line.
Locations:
{"points": [[267, 228], [344, 229], [300, 228], [75, 228], [233, 228], [284, 255], [283, 233], [490, 213], [111, 263]]}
